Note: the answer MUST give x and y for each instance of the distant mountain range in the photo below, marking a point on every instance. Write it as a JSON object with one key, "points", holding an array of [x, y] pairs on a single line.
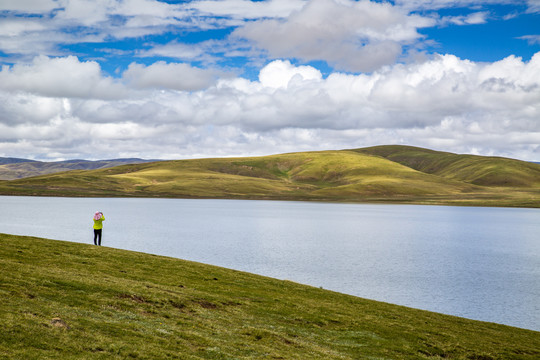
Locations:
{"points": [[15, 168]]}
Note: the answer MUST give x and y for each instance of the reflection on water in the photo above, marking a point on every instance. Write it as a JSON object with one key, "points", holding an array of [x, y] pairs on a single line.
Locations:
{"points": [[479, 263]]}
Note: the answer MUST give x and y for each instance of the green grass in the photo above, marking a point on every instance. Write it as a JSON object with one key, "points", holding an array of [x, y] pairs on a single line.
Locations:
{"points": [[478, 170], [381, 174], [62, 300]]}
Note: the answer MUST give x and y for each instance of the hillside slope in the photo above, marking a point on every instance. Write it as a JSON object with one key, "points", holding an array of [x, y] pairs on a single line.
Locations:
{"points": [[317, 175], [478, 170], [323, 176], [64, 300]]}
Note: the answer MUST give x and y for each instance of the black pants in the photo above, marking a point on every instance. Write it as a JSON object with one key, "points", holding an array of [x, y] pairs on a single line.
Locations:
{"points": [[97, 236]]}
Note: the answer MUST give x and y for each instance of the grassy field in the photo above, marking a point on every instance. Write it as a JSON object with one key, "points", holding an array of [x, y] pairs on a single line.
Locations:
{"points": [[64, 300], [381, 174]]}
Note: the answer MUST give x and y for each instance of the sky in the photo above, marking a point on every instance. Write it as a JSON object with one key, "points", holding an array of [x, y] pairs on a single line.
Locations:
{"points": [[106, 79]]}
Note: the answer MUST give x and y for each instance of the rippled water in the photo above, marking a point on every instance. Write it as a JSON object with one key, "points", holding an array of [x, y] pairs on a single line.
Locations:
{"points": [[479, 263]]}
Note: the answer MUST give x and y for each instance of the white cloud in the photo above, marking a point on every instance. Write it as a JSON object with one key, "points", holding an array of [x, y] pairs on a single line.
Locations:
{"points": [[29, 6], [444, 103], [356, 36], [97, 12], [531, 39], [148, 8], [475, 18], [65, 107], [175, 50], [60, 77], [85, 12], [534, 6], [246, 9], [278, 74], [82, 21], [412, 5], [37, 35], [23, 108], [161, 75], [16, 27]]}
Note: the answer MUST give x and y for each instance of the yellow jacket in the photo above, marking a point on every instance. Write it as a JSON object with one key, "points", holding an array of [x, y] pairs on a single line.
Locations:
{"points": [[98, 224]]}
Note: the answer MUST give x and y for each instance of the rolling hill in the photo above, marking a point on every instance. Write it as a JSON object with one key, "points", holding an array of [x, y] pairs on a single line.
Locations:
{"points": [[478, 170], [386, 173]]}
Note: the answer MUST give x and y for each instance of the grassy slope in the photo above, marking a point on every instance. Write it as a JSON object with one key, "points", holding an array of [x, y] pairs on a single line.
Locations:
{"points": [[478, 170], [361, 175], [67, 300]]}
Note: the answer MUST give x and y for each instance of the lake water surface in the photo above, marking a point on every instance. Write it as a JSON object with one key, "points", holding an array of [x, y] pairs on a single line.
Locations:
{"points": [[478, 263]]}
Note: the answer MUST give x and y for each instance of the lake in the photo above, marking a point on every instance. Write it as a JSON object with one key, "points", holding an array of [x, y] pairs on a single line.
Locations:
{"points": [[478, 263]]}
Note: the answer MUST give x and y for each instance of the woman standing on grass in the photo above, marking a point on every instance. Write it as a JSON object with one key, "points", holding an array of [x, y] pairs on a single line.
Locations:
{"points": [[98, 227]]}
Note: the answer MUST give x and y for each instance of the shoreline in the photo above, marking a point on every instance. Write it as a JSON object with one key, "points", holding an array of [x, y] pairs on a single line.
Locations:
{"points": [[162, 255], [425, 202]]}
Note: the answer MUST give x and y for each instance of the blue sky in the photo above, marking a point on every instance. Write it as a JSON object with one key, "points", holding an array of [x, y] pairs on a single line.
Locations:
{"points": [[491, 40], [183, 79]]}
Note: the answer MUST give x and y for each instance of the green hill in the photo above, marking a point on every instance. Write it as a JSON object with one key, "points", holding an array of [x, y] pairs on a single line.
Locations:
{"points": [[63, 300], [391, 174], [478, 170]]}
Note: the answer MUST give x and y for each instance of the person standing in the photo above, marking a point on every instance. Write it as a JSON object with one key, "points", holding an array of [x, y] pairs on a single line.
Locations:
{"points": [[98, 227]]}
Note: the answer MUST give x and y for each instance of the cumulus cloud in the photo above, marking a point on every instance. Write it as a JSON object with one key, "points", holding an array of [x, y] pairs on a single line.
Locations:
{"points": [[96, 12], [470, 19], [60, 77], [82, 21], [246, 9], [57, 106], [28, 36], [177, 76], [278, 74], [24, 108], [29, 6], [413, 5], [534, 6], [350, 35], [177, 50], [16, 27], [444, 103]]}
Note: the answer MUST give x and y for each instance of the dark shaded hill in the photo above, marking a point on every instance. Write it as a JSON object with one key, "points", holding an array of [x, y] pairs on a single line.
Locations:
{"points": [[10, 160], [13, 168]]}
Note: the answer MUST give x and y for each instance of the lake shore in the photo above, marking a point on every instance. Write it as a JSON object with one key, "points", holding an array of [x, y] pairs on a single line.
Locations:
{"points": [[73, 300], [411, 255], [524, 199]]}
